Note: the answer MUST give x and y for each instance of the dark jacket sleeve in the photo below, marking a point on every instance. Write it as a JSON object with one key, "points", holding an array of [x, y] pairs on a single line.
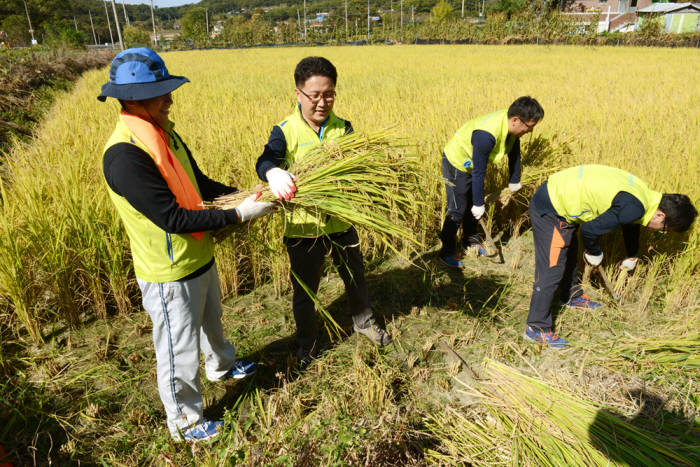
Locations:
{"points": [[625, 210], [273, 154], [133, 174], [482, 145], [514, 162], [210, 189]]}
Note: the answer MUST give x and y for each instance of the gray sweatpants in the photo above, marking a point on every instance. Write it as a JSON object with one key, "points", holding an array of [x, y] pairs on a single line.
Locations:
{"points": [[186, 318]]}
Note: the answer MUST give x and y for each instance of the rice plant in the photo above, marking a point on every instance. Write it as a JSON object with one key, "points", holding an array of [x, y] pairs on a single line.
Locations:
{"points": [[521, 420]]}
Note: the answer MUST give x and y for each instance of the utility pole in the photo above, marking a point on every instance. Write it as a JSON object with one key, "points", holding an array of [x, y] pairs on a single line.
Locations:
{"points": [[413, 18], [116, 25], [304, 20], [346, 20], [126, 18], [94, 38], [368, 21], [462, 10], [206, 17], [299, 23], [31, 31], [153, 22], [109, 25], [392, 14], [401, 27]]}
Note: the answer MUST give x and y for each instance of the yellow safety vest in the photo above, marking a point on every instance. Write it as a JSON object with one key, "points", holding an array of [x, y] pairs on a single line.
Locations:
{"points": [[459, 150], [580, 194], [159, 256], [301, 139]]}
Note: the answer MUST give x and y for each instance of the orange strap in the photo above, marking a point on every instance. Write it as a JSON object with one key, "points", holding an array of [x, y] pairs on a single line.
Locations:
{"points": [[555, 247], [169, 166]]}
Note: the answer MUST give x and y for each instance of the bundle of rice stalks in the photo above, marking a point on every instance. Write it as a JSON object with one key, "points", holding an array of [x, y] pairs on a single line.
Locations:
{"points": [[672, 352], [367, 180], [524, 421]]}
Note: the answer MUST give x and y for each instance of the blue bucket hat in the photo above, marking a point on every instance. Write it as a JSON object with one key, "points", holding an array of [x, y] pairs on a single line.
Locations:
{"points": [[138, 74]]}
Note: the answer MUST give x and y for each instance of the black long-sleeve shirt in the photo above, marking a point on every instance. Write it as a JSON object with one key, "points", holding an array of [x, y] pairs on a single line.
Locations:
{"points": [[482, 144], [132, 173], [276, 149], [624, 210]]}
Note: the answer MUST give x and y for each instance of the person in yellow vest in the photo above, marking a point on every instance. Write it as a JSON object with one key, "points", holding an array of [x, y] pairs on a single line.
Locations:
{"points": [[598, 199], [482, 140], [308, 239], [157, 189]]}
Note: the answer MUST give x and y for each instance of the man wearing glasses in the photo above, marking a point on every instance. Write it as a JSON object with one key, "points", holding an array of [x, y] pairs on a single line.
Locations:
{"points": [[307, 238], [598, 199], [483, 140]]}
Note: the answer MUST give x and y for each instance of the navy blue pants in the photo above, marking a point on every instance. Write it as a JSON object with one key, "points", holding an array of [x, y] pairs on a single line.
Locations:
{"points": [[306, 257], [556, 265], [459, 208]]}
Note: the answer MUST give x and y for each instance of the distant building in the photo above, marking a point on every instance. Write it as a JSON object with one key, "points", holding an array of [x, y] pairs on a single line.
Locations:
{"points": [[615, 15], [678, 17]]}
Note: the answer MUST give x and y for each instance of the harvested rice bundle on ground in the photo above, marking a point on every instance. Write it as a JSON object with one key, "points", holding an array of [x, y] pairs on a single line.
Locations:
{"points": [[520, 420], [669, 353], [367, 180]]}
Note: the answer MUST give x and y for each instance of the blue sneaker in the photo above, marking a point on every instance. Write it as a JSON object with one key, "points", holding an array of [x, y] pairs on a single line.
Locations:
{"points": [[545, 337], [241, 369], [584, 302], [475, 242], [203, 431], [451, 261]]}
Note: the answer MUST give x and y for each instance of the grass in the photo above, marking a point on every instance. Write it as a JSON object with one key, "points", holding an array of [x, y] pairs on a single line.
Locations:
{"points": [[77, 355]]}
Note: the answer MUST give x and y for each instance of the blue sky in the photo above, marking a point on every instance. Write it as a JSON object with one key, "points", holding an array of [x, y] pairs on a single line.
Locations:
{"points": [[159, 3]]}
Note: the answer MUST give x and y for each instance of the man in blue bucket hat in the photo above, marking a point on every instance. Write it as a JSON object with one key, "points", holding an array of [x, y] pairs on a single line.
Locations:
{"points": [[158, 189]]}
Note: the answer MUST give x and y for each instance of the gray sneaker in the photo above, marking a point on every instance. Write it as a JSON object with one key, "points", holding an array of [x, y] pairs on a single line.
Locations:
{"points": [[373, 332]]}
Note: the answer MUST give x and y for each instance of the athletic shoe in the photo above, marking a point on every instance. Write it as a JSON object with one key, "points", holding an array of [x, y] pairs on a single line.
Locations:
{"points": [[545, 337], [203, 431], [584, 302], [475, 242], [241, 369], [374, 333], [451, 261]]}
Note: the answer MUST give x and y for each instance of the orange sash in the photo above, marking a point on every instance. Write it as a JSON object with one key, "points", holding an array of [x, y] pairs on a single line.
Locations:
{"points": [[169, 166]]}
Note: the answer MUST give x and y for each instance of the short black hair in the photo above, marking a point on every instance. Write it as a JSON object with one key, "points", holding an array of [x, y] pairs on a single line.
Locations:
{"points": [[680, 212], [314, 66], [526, 108]]}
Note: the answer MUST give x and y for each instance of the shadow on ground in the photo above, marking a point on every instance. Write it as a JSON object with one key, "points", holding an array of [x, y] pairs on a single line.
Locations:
{"points": [[675, 434]]}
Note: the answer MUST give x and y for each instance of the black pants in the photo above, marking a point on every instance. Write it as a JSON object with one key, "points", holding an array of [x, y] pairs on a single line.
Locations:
{"points": [[556, 256], [306, 257], [459, 205]]}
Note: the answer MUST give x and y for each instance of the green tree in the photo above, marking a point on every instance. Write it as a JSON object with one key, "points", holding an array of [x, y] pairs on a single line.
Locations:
{"points": [[17, 29], [63, 35], [440, 11], [135, 36], [194, 25]]}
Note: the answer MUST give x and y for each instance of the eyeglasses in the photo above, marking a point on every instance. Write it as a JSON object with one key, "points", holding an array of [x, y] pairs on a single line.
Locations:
{"points": [[529, 127], [316, 97]]}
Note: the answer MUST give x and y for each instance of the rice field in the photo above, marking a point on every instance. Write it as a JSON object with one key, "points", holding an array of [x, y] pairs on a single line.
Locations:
{"points": [[74, 341]]}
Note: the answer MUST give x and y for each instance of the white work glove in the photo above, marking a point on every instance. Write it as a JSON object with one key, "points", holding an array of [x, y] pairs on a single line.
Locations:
{"points": [[281, 183], [628, 264], [513, 187], [251, 209], [478, 211], [593, 260]]}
